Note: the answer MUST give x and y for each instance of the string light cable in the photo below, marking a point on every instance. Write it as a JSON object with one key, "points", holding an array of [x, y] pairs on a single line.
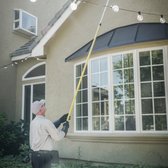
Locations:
{"points": [[115, 8]]}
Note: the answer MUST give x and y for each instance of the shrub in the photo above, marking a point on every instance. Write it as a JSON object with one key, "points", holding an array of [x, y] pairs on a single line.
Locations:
{"points": [[12, 136]]}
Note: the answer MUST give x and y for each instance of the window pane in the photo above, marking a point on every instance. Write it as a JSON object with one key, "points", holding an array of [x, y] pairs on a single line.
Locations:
{"points": [[85, 124], [16, 25], [129, 91], [78, 124], [128, 60], [161, 122], [117, 62], [84, 82], [104, 93], [82, 67], [146, 90], [103, 79], [103, 64], [157, 57], [95, 80], [128, 75], [81, 124], [130, 123], [77, 81], [78, 110], [118, 92], [84, 96], [28, 22], [144, 58], [159, 89], [145, 74], [130, 107], [95, 66], [96, 109], [147, 106], [78, 70], [96, 123], [158, 73], [78, 98], [117, 77], [104, 123], [119, 123], [118, 107], [85, 109], [160, 105], [38, 92], [16, 14], [95, 94], [104, 108], [27, 104], [38, 71], [147, 122]]}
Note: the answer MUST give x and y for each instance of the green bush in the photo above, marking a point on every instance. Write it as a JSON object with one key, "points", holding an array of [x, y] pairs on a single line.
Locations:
{"points": [[12, 136]]}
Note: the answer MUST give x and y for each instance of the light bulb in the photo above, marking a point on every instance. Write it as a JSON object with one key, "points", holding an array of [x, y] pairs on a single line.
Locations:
{"points": [[162, 19], [73, 6], [115, 8], [33, 0], [139, 17]]}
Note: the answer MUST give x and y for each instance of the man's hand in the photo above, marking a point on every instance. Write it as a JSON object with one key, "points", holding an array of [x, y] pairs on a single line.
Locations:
{"points": [[65, 127], [63, 118]]}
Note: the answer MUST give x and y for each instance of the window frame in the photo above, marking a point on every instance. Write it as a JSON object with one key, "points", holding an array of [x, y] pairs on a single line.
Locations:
{"points": [[136, 67], [32, 68], [20, 27]]}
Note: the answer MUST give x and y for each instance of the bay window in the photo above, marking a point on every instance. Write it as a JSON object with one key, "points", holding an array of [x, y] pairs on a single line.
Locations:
{"points": [[123, 92]]}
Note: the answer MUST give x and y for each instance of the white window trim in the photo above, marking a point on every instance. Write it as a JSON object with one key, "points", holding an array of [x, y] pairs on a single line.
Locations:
{"points": [[29, 70], [31, 99], [21, 11], [111, 130]]}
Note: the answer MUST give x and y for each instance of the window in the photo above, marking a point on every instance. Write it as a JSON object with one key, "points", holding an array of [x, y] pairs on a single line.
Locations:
{"points": [[153, 97], [123, 92], [33, 90], [99, 94], [126, 93], [24, 22], [82, 100]]}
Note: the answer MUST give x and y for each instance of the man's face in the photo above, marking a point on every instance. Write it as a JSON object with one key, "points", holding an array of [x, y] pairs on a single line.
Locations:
{"points": [[43, 110]]}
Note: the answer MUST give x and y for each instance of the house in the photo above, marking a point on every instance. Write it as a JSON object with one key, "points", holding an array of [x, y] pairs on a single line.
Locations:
{"points": [[15, 33], [120, 114]]}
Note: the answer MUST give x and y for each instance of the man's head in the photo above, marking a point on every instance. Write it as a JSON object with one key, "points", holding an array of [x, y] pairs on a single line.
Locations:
{"points": [[38, 107]]}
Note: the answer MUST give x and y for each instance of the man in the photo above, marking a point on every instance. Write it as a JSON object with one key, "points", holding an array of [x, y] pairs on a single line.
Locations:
{"points": [[43, 133]]}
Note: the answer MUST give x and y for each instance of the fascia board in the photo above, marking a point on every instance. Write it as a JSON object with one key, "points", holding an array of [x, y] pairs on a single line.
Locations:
{"points": [[38, 50]]}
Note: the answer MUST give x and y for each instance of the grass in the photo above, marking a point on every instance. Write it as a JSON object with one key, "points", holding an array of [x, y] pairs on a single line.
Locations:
{"points": [[15, 162]]}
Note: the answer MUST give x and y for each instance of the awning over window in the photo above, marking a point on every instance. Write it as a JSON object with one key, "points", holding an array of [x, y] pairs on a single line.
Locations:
{"points": [[135, 33]]}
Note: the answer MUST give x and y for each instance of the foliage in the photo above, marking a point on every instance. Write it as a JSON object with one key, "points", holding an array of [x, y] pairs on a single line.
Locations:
{"points": [[12, 136], [16, 162]]}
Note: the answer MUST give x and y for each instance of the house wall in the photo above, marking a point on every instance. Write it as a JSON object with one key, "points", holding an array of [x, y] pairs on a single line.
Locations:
{"points": [[75, 32], [10, 41]]}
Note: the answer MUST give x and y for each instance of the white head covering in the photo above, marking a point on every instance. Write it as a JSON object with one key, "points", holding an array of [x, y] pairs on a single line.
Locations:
{"points": [[36, 106]]}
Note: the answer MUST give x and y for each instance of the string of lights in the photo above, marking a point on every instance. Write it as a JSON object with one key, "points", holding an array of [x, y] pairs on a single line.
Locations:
{"points": [[114, 8]]}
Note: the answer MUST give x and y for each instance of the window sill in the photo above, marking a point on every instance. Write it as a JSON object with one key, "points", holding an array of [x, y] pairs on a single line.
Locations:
{"points": [[127, 139]]}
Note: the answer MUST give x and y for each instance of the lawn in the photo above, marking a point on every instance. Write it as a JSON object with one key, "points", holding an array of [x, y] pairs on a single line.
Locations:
{"points": [[14, 162]]}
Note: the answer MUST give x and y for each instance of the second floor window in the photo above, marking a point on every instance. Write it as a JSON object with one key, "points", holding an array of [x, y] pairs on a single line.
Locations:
{"points": [[24, 22]]}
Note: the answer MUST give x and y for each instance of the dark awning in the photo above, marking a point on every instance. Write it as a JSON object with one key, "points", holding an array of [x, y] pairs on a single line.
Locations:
{"points": [[135, 33]]}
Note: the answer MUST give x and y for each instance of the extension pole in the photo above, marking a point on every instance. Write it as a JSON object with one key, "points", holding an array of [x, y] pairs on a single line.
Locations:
{"points": [[87, 61]]}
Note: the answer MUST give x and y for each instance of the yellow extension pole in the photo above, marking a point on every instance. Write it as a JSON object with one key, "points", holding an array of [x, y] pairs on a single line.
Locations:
{"points": [[86, 63]]}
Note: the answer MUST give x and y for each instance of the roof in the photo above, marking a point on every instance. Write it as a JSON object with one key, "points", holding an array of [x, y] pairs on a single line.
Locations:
{"points": [[135, 33], [30, 45]]}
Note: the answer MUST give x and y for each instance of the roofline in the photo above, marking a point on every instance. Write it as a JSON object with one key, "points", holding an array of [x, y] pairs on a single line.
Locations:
{"points": [[20, 57], [38, 50]]}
